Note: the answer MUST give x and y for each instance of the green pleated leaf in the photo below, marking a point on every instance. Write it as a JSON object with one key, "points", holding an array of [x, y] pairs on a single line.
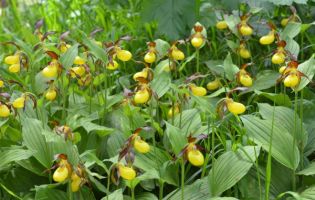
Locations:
{"points": [[176, 137], [161, 84], [228, 170], [292, 46], [280, 99], [146, 196], [48, 194], [67, 58], [265, 79], [161, 48], [284, 116], [199, 190], [291, 30], [308, 170], [45, 144], [229, 68], [308, 69], [117, 194], [96, 50], [13, 155], [154, 159], [230, 167], [283, 149], [189, 121]]}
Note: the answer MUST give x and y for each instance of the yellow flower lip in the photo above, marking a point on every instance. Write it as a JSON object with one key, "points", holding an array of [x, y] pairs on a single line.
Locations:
{"points": [[124, 55], [112, 66], [4, 110], [197, 41], [221, 25], [177, 54], [142, 96], [127, 173], [235, 107], [61, 174], [150, 57], [10, 60], [141, 146], [195, 157]]}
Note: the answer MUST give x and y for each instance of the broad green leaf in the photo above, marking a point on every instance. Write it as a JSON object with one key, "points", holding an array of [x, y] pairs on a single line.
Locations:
{"points": [[100, 130], [48, 194], [279, 98], [292, 46], [154, 159], [161, 84], [187, 60], [199, 190], [308, 69], [13, 155], [308, 194], [67, 58], [204, 104], [230, 167], [117, 194], [162, 67], [283, 149], [265, 79], [45, 144], [161, 48], [229, 68], [188, 121], [146, 196], [309, 170], [284, 116], [96, 50], [207, 14], [291, 30], [232, 22], [287, 2], [233, 45], [172, 16], [305, 27], [34, 140], [216, 67], [176, 137]]}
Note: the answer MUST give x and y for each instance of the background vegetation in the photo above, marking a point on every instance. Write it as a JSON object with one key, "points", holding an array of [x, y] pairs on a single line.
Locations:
{"points": [[265, 153]]}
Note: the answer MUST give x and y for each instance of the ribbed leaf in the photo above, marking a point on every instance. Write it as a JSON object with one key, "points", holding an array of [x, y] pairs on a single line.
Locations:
{"points": [[161, 48], [199, 190], [67, 58], [230, 168], [176, 137], [161, 84], [283, 149], [291, 30], [285, 117], [308, 69], [96, 50], [48, 194], [229, 68], [45, 144], [280, 99], [13, 155], [146, 196], [117, 194], [265, 79], [189, 122], [309, 170]]}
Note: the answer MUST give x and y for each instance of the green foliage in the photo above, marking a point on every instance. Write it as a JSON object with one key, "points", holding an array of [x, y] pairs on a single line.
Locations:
{"points": [[184, 125]]}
